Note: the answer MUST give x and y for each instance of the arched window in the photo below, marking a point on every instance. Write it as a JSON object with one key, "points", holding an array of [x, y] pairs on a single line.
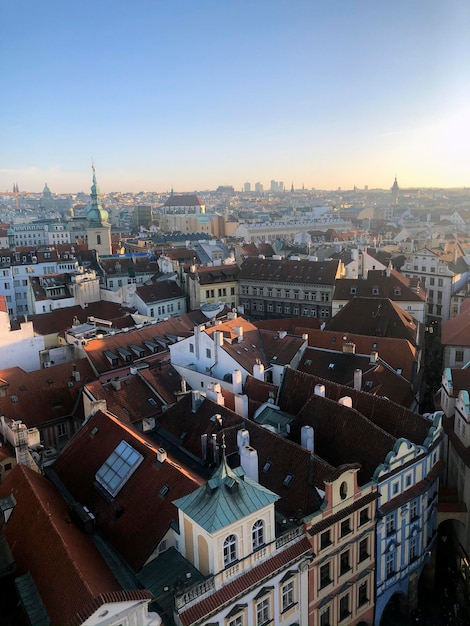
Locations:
{"points": [[98, 239], [230, 550], [257, 534]]}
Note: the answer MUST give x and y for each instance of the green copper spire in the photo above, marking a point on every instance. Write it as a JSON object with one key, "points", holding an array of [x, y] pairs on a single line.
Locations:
{"points": [[96, 215]]}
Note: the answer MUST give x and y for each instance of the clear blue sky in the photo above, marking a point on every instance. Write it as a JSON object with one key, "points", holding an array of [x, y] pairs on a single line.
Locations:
{"points": [[198, 93]]}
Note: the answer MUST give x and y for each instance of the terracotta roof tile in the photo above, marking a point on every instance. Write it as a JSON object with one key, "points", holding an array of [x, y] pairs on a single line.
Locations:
{"points": [[67, 569], [137, 517]]}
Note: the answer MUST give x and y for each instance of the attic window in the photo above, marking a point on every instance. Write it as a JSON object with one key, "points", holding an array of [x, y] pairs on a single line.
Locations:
{"points": [[308, 361], [287, 480], [14, 398], [352, 291], [118, 468], [151, 401], [399, 371], [398, 292], [331, 366], [163, 491], [22, 388], [267, 466]]}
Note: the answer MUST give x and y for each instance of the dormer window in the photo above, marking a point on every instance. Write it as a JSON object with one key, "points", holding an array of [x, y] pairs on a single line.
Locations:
{"points": [[375, 291], [353, 291]]}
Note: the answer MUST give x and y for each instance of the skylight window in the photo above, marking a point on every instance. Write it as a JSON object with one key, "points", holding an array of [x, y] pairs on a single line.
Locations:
{"points": [[118, 468], [288, 479]]}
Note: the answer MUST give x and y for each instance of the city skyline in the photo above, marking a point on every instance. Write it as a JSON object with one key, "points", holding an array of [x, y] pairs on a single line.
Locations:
{"points": [[191, 96]]}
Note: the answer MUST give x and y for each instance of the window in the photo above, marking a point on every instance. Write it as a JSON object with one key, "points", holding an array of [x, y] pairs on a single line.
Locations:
{"points": [[262, 612], [345, 527], [459, 356], [208, 353], [238, 621], [408, 480], [288, 595], [363, 516], [390, 524], [325, 575], [413, 509], [230, 550], [344, 607], [362, 594], [325, 617], [257, 534], [363, 550], [413, 548], [62, 430], [325, 539], [344, 565], [118, 467], [389, 564]]}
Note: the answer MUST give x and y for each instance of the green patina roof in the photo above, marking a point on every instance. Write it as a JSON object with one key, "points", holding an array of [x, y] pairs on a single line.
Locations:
{"points": [[31, 600], [227, 497]]}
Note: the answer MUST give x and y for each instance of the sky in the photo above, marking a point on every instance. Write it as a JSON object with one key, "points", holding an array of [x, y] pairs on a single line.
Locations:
{"points": [[193, 94]]}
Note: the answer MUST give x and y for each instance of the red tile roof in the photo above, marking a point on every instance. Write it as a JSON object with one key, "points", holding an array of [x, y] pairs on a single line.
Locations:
{"points": [[68, 571], [60, 320], [287, 271], [376, 317], [136, 519], [456, 332], [53, 392]]}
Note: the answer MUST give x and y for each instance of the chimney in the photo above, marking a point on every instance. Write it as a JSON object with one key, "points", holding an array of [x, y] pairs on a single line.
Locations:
{"points": [[346, 401], [249, 462], [320, 390], [243, 438], [238, 330], [349, 347], [374, 355], [204, 447], [241, 405], [258, 370], [76, 374], [215, 449], [116, 383], [358, 379], [306, 434], [183, 385], [282, 334], [218, 338], [237, 382], [214, 393], [195, 400], [305, 337], [161, 455]]}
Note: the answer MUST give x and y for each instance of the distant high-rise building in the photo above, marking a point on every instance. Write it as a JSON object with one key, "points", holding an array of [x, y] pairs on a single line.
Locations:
{"points": [[259, 188], [247, 187], [142, 215], [395, 191]]}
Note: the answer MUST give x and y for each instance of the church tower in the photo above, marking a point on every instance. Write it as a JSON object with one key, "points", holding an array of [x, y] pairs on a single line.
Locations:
{"points": [[395, 190], [98, 229]]}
